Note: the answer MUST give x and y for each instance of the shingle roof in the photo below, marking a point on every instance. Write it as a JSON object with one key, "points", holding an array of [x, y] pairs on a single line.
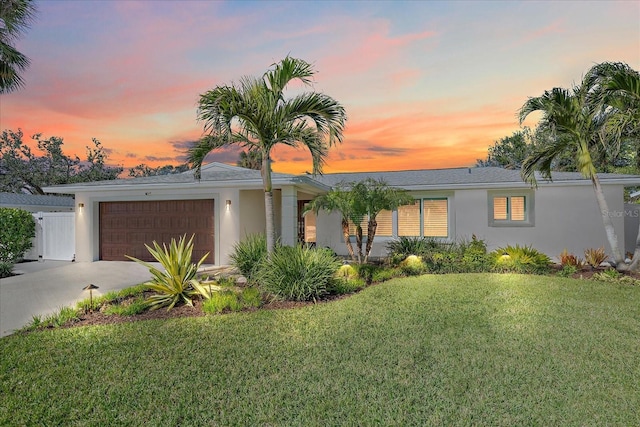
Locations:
{"points": [[455, 177], [14, 199], [219, 174]]}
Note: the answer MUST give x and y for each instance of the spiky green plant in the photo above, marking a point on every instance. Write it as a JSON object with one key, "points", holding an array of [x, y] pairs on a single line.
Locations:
{"points": [[520, 259], [248, 253], [176, 282], [298, 273]]}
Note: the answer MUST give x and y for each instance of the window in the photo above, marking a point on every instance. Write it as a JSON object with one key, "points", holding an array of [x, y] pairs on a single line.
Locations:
{"points": [[409, 220], [430, 221], [436, 218], [384, 228], [514, 209]]}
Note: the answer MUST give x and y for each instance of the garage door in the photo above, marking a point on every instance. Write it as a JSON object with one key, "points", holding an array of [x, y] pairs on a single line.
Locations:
{"points": [[126, 226]]}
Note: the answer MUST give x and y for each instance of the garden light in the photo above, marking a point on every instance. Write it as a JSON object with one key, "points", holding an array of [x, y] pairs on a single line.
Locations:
{"points": [[90, 287]]}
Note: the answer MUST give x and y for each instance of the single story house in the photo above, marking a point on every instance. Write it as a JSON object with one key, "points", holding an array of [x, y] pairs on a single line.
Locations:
{"points": [[115, 218]]}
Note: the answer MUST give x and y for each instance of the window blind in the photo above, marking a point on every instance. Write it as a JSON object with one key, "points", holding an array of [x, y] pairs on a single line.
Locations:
{"points": [[409, 220], [384, 224], [517, 208], [500, 208], [436, 218]]}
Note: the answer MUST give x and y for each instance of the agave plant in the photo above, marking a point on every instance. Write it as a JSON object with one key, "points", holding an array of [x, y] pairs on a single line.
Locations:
{"points": [[177, 282]]}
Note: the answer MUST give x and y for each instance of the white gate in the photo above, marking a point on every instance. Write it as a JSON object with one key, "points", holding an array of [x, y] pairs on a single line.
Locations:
{"points": [[55, 236]]}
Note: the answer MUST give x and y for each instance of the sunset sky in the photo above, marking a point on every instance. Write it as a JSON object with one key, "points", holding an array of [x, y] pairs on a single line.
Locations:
{"points": [[425, 84]]}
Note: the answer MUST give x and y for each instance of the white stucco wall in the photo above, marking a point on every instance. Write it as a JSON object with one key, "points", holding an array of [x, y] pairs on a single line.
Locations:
{"points": [[565, 217], [251, 212]]}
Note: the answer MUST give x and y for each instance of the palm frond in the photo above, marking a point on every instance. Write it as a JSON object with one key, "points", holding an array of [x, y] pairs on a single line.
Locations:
{"points": [[287, 70], [197, 153]]}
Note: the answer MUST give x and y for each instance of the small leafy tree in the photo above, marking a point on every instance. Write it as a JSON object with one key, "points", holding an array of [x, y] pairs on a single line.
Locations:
{"points": [[17, 228]]}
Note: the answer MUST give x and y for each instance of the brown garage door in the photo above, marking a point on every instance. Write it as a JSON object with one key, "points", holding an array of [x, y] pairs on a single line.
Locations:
{"points": [[126, 226]]}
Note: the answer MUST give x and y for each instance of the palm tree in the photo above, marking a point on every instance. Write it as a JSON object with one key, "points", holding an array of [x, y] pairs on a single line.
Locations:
{"points": [[15, 18], [250, 159], [378, 196], [617, 90], [341, 199], [357, 201], [255, 114], [579, 126]]}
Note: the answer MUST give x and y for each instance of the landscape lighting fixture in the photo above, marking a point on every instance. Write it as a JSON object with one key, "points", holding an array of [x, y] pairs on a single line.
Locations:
{"points": [[90, 287]]}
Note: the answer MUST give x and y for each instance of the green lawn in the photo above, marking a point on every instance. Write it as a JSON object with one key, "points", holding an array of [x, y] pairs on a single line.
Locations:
{"points": [[469, 349]]}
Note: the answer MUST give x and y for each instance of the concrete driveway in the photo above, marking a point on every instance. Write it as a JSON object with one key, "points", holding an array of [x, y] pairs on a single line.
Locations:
{"points": [[47, 286]]}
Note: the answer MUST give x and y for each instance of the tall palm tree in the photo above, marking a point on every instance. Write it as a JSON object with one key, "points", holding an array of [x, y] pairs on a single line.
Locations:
{"points": [[617, 90], [255, 114], [15, 17], [579, 125]]}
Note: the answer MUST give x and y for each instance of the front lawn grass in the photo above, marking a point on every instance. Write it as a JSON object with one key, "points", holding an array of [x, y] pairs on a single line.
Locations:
{"points": [[468, 349]]}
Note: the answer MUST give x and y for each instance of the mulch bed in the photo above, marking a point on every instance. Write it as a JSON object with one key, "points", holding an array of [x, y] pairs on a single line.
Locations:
{"points": [[98, 318]]}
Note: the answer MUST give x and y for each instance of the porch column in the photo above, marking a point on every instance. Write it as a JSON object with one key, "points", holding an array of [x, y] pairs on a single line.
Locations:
{"points": [[289, 224]]}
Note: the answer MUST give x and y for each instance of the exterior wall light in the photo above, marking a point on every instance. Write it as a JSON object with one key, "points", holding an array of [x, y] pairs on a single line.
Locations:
{"points": [[228, 204], [81, 205]]}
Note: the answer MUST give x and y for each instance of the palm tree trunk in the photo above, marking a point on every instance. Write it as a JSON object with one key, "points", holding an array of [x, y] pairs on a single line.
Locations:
{"points": [[347, 240], [372, 225], [268, 203], [359, 243], [270, 229], [608, 224]]}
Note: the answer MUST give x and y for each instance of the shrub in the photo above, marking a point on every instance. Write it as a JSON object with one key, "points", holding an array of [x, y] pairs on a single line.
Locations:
{"points": [[176, 282], [568, 270], [399, 249], [611, 275], [17, 228], [367, 272], [251, 297], [413, 266], [474, 256], [595, 257], [248, 254], [440, 256], [520, 259], [221, 301], [569, 259], [346, 281], [298, 273], [342, 286], [6, 269]]}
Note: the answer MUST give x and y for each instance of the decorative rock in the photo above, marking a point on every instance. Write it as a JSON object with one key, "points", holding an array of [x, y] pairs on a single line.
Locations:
{"points": [[241, 281], [605, 264]]}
